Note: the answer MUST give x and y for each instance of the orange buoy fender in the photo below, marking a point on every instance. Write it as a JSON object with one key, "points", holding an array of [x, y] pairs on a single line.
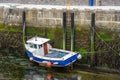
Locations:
{"points": [[49, 64], [31, 59]]}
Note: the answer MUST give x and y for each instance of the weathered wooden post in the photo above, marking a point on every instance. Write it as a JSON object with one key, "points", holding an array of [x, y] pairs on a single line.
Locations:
{"points": [[92, 36], [72, 31], [92, 39], [64, 30], [24, 26]]}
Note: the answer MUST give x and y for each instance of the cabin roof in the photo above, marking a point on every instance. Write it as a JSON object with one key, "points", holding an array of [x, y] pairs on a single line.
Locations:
{"points": [[38, 40]]}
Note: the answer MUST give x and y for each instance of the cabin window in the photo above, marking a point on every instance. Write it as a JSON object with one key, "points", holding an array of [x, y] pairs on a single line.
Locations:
{"points": [[40, 46], [31, 45], [35, 46]]}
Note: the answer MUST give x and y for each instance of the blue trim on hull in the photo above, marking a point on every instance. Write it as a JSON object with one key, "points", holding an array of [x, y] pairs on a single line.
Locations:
{"points": [[61, 63], [29, 53]]}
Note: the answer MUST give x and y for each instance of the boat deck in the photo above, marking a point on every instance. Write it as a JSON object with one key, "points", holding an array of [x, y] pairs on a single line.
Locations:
{"points": [[56, 54]]}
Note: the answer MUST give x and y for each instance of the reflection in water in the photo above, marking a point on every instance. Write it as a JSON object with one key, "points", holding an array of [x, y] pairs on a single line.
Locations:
{"points": [[43, 75]]}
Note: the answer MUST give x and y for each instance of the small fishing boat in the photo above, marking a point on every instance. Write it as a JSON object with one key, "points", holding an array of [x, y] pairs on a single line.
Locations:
{"points": [[39, 50]]}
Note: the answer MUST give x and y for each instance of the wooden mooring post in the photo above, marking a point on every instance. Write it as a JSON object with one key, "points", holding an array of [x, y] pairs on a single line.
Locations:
{"points": [[72, 31], [93, 57], [64, 30], [68, 32], [24, 26], [92, 45]]}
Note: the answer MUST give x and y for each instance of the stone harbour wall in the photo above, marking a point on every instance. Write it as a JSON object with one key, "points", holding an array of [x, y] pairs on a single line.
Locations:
{"points": [[53, 17]]}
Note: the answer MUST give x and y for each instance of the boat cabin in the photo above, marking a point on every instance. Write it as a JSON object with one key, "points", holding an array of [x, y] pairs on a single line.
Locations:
{"points": [[39, 45]]}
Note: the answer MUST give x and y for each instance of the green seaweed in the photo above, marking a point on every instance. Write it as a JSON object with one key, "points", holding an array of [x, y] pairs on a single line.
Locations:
{"points": [[104, 36], [84, 54]]}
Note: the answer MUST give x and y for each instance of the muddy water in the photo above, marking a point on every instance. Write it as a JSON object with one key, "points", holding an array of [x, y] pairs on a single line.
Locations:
{"points": [[81, 75], [20, 68], [13, 68]]}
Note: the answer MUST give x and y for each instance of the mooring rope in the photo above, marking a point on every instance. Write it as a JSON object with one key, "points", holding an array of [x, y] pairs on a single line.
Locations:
{"points": [[87, 22], [106, 43]]}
